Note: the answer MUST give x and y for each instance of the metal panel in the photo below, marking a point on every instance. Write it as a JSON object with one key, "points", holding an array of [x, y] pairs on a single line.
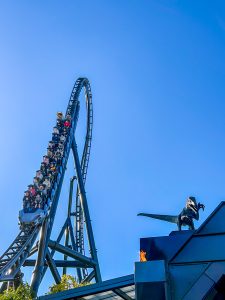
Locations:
{"points": [[129, 290], [216, 223], [122, 294], [200, 288], [164, 247], [150, 271], [102, 296], [182, 278], [215, 270], [150, 291], [202, 248]]}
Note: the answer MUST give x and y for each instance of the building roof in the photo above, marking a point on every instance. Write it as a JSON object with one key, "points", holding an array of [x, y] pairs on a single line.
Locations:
{"points": [[115, 289]]}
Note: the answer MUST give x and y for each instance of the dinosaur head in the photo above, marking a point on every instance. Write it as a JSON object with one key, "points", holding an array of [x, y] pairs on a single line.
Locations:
{"points": [[191, 203]]}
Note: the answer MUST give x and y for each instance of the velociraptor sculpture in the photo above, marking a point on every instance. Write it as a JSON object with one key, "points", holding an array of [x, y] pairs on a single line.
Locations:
{"points": [[185, 218]]}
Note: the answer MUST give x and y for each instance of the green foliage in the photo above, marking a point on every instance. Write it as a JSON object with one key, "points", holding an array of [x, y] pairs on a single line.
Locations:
{"points": [[67, 282], [21, 293]]}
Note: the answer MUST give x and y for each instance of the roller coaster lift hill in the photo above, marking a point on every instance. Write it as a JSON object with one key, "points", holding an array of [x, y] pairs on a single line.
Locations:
{"points": [[40, 203]]}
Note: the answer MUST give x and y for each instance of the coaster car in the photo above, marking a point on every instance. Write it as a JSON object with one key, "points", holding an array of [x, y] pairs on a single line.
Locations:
{"points": [[32, 217]]}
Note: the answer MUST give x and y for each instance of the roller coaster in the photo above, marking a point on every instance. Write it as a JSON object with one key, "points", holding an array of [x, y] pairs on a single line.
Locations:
{"points": [[34, 238]]}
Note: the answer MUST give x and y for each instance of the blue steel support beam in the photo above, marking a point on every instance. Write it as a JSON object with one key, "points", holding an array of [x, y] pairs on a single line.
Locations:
{"points": [[84, 204], [71, 253], [89, 277], [39, 266], [59, 263], [53, 267], [68, 231]]}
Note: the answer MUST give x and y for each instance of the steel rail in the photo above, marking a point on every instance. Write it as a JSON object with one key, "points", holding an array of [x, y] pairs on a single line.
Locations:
{"points": [[16, 254], [79, 216]]}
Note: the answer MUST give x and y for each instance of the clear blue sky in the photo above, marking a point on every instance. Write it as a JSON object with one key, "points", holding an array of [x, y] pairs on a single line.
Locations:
{"points": [[157, 70]]}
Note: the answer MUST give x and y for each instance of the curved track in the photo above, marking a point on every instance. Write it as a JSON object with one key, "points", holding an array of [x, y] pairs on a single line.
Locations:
{"points": [[21, 248]]}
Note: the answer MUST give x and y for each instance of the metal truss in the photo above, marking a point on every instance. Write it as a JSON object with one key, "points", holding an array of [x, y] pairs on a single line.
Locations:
{"points": [[20, 252]]}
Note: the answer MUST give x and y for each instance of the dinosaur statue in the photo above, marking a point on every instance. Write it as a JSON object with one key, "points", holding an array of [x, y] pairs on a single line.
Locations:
{"points": [[185, 218]]}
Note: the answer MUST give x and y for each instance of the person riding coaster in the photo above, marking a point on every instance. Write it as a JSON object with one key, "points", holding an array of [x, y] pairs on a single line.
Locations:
{"points": [[36, 199]]}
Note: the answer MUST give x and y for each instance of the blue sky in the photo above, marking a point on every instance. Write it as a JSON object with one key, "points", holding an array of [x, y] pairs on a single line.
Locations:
{"points": [[157, 71]]}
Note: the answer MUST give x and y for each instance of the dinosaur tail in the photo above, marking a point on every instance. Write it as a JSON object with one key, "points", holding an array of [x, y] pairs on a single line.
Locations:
{"points": [[168, 218]]}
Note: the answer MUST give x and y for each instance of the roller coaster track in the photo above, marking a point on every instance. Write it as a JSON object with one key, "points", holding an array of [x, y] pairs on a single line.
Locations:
{"points": [[79, 220], [18, 253]]}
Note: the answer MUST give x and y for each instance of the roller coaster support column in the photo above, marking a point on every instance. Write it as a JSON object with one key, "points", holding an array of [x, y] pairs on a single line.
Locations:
{"points": [[84, 204], [68, 217], [39, 266]]}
